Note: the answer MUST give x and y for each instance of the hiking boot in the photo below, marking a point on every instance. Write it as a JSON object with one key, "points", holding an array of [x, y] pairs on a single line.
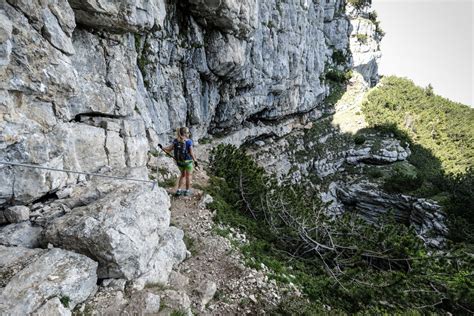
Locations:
{"points": [[180, 192], [188, 193]]}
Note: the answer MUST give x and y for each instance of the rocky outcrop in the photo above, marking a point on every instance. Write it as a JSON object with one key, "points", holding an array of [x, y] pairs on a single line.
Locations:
{"points": [[53, 307], [120, 16], [378, 151], [126, 230], [364, 44], [370, 202], [16, 214], [22, 234], [42, 276]]}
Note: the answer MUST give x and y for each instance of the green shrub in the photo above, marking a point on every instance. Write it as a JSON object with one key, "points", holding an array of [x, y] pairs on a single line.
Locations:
{"points": [[359, 4], [375, 173], [359, 139], [373, 18], [339, 57], [362, 38], [65, 300], [338, 76], [403, 182], [440, 135], [168, 183]]}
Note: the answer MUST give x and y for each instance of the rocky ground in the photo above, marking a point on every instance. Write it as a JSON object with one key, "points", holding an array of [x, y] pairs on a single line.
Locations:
{"points": [[214, 276]]}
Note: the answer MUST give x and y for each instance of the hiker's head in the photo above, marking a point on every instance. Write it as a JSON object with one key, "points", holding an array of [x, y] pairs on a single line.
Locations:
{"points": [[182, 133]]}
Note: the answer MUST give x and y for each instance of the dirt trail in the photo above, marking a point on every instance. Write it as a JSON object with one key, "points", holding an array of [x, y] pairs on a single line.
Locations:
{"points": [[240, 290]]}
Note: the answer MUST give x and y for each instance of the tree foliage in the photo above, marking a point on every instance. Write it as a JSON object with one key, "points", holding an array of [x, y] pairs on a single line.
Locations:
{"points": [[444, 127]]}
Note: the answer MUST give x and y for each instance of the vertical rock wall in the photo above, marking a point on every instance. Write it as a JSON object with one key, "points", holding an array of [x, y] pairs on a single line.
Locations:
{"points": [[88, 84]]}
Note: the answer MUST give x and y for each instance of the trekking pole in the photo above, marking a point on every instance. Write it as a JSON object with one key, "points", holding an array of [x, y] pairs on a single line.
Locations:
{"points": [[167, 154]]}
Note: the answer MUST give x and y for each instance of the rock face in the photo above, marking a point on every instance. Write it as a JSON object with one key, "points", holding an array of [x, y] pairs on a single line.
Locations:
{"points": [[126, 230], [88, 84], [50, 275], [383, 151], [53, 307], [369, 201]]}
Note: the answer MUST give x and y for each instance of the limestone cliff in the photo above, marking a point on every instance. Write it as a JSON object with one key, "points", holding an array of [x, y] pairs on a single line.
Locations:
{"points": [[88, 84], [93, 85]]}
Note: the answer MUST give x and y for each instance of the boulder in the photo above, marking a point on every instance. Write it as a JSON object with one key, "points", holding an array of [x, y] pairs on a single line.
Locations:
{"points": [[22, 234], [143, 303], [16, 214], [69, 276], [206, 289], [14, 259], [126, 230], [175, 301]]}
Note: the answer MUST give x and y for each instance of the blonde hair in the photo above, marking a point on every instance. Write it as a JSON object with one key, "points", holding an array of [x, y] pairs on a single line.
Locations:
{"points": [[182, 133]]}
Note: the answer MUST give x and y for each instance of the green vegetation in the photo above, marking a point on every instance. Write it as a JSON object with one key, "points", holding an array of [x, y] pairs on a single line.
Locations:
{"points": [[190, 244], [168, 183], [338, 76], [359, 4], [440, 134], [337, 91], [142, 61], [362, 38], [205, 140], [359, 139], [374, 18], [65, 300], [178, 313], [349, 265], [403, 179], [339, 57], [444, 127]]}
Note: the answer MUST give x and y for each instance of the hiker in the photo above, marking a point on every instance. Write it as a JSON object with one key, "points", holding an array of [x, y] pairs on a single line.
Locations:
{"points": [[182, 147]]}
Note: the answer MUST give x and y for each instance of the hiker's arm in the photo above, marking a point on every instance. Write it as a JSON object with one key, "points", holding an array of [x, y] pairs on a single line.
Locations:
{"points": [[191, 153], [168, 148]]}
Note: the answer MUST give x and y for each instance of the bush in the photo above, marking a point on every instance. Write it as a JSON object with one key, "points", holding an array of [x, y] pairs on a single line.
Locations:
{"points": [[360, 4], [437, 124], [362, 38], [375, 173], [403, 182], [359, 139], [338, 76], [339, 57]]}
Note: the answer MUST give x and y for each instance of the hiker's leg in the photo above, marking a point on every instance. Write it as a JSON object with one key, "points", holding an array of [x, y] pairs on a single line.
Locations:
{"points": [[188, 179], [181, 178]]}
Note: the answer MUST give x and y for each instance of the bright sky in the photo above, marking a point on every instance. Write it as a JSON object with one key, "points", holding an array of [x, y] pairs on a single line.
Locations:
{"points": [[429, 41]]}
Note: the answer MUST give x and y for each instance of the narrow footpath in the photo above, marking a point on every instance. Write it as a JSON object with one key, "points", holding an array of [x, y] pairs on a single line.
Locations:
{"points": [[214, 276]]}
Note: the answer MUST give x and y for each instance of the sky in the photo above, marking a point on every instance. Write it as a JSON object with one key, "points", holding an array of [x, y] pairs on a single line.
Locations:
{"points": [[429, 41]]}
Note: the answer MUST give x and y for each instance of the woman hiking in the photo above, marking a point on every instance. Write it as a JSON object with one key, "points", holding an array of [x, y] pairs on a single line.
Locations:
{"points": [[182, 148]]}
